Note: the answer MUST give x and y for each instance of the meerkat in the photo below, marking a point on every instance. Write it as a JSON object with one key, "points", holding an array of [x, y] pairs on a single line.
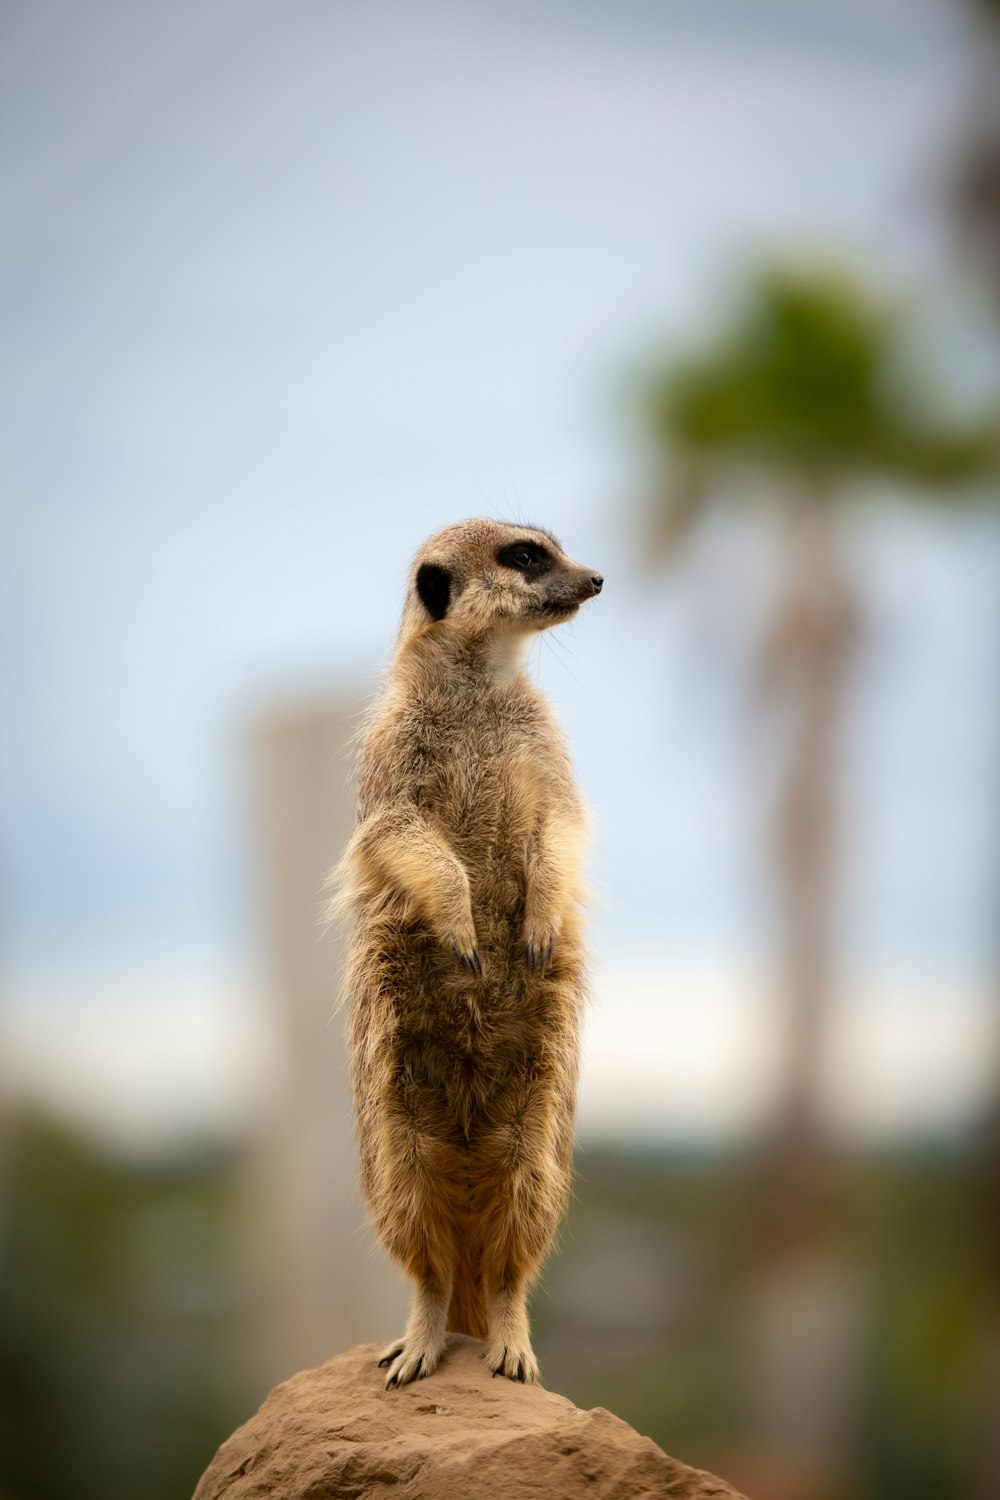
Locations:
{"points": [[465, 972]]}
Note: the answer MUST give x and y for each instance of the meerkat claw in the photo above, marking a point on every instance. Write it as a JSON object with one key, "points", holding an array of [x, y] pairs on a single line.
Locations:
{"points": [[537, 957], [411, 1366], [515, 1364], [394, 1381], [471, 962]]}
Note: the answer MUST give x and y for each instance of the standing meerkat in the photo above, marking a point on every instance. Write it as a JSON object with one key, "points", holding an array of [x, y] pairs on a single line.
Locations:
{"points": [[465, 971]]}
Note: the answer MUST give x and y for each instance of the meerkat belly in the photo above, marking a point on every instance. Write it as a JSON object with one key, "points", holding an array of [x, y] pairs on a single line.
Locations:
{"points": [[458, 1041], [449, 1085]]}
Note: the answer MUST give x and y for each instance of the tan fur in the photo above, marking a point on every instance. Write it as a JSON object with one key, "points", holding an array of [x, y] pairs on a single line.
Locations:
{"points": [[465, 974]]}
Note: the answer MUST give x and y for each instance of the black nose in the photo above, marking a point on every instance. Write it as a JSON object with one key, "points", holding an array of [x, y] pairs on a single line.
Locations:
{"points": [[597, 583]]}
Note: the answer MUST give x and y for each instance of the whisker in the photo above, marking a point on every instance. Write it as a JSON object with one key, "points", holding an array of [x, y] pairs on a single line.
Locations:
{"points": [[563, 644], [490, 504], [563, 662]]}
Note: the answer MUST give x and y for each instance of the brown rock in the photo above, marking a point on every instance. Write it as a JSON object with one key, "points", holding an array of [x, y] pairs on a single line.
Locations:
{"points": [[335, 1433]]}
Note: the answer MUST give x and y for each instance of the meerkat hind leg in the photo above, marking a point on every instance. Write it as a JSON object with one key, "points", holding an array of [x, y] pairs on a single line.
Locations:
{"points": [[510, 1352], [418, 1353]]}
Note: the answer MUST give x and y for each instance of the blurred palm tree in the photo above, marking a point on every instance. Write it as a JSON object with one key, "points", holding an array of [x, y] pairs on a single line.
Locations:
{"points": [[805, 400]]}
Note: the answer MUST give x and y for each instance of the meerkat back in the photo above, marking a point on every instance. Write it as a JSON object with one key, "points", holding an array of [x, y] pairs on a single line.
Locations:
{"points": [[466, 969]]}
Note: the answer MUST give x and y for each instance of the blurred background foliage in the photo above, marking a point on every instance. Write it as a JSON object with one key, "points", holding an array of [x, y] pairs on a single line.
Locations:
{"points": [[812, 391], [102, 1260], [812, 1313]]}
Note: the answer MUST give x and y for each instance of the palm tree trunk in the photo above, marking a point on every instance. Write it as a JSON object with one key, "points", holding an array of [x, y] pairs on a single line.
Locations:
{"points": [[803, 1300], [810, 655]]}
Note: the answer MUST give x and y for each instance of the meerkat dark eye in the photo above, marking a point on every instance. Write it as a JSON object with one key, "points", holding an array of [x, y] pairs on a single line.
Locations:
{"points": [[526, 557]]}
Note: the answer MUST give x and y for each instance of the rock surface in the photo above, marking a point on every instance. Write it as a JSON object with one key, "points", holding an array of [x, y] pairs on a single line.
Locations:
{"points": [[335, 1433]]}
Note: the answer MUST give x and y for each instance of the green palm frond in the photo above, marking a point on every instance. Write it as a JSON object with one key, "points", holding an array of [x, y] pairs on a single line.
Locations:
{"points": [[804, 388]]}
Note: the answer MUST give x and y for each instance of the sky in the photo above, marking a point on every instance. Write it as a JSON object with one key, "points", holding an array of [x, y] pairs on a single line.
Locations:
{"points": [[284, 289]]}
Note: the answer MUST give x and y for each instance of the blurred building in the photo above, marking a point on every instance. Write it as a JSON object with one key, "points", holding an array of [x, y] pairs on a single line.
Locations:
{"points": [[327, 1286]]}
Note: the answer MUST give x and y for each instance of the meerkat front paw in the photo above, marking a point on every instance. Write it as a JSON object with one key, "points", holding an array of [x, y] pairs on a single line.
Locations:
{"points": [[517, 1363], [538, 956], [460, 937], [539, 946], [408, 1362]]}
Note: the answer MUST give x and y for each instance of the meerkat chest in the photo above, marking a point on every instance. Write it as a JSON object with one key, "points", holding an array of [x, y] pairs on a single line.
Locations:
{"points": [[488, 782]]}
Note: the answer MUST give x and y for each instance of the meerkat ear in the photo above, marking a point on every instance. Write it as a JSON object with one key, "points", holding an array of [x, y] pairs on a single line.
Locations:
{"points": [[434, 588]]}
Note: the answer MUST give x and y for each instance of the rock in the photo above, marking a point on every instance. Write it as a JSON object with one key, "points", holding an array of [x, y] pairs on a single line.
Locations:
{"points": [[336, 1433]]}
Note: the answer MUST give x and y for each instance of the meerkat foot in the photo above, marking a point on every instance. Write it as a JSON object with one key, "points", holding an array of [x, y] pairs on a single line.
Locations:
{"points": [[418, 1353], [509, 1351], [517, 1363], [411, 1362]]}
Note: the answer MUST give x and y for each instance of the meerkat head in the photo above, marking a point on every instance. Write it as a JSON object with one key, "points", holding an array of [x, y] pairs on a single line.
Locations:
{"points": [[494, 578]]}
